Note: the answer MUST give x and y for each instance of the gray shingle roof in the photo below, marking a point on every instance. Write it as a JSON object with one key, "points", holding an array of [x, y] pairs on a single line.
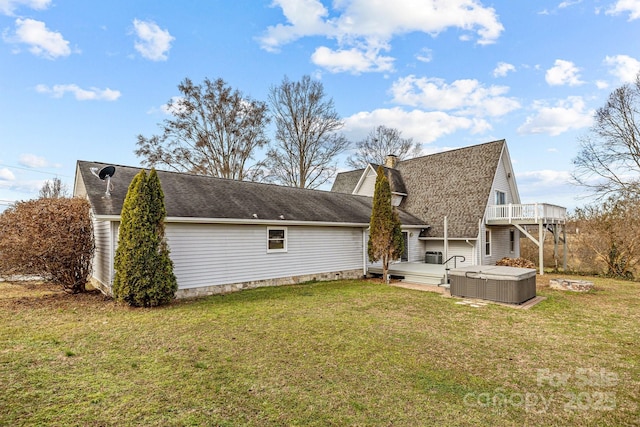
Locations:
{"points": [[453, 183], [197, 196]]}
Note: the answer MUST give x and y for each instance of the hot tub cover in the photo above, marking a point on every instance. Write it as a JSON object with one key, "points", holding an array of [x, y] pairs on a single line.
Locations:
{"points": [[493, 272]]}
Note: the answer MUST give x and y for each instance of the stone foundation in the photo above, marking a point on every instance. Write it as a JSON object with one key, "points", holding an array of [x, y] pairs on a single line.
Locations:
{"points": [[235, 287], [571, 285], [292, 280]]}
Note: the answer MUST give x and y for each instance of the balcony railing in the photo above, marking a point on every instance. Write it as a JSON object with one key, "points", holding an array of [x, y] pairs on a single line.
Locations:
{"points": [[528, 213]]}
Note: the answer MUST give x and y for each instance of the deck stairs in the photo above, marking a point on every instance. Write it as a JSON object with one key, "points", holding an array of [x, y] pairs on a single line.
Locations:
{"points": [[414, 272]]}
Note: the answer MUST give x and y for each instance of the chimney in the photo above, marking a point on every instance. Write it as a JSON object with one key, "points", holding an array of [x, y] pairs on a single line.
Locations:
{"points": [[391, 161]]}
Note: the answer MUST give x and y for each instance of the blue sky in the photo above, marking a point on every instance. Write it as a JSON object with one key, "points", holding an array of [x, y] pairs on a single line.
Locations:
{"points": [[80, 79]]}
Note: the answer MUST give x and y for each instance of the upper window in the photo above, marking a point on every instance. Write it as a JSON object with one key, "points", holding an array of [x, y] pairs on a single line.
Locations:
{"points": [[277, 239], [501, 197]]}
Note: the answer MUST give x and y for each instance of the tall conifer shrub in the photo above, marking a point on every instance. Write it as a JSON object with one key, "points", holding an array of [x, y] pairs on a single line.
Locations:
{"points": [[144, 271], [385, 230]]}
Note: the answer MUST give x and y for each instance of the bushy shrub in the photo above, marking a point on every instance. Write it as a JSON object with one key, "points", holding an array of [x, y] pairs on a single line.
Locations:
{"points": [[144, 272], [51, 238]]}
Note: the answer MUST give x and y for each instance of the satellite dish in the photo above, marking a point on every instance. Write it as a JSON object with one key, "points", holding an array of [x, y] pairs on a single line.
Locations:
{"points": [[106, 172]]}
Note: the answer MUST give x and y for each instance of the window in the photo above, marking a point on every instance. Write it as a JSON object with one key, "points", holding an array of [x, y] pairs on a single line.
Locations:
{"points": [[501, 197], [487, 242], [276, 239], [512, 240]]}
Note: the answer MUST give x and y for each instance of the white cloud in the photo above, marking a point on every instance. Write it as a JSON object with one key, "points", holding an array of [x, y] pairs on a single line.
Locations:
{"points": [[624, 67], [548, 186], [623, 6], [7, 7], [425, 55], [502, 69], [6, 175], [362, 27], [565, 115], [601, 84], [546, 177], [563, 73], [33, 161], [568, 3], [152, 42], [466, 96], [42, 41], [423, 126], [92, 94], [351, 60]]}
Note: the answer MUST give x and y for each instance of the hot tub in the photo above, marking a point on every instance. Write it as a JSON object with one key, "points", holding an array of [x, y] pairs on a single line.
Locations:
{"points": [[495, 283]]}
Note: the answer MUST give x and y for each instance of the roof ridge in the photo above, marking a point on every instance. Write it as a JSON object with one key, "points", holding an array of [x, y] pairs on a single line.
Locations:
{"points": [[206, 176], [503, 141]]}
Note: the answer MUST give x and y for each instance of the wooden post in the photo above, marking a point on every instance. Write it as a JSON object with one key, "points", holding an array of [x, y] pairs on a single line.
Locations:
{"points": [[541, 247], [446, 239], [564, 248]]}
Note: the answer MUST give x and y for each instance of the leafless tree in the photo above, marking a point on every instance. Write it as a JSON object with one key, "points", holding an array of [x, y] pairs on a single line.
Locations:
{"points": [[610, 231], [307, 138], [53, 189], [381, 142], [609, 158], [213, 130]]}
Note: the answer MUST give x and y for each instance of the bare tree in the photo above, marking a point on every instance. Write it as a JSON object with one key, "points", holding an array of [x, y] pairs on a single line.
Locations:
{"points": [[214, 131], [611, 232], [381, 142], [53, 189], [307, 138], [609, 158]]}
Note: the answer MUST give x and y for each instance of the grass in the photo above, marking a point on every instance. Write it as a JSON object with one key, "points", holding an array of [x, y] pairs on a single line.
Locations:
{"points": [[333, 353]]}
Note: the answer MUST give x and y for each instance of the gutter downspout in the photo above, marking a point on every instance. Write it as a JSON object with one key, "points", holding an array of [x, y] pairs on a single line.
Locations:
{"points": [[473, 251]]}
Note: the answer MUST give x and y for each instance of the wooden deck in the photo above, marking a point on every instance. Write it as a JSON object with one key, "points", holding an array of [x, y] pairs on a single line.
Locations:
{"points": [[414, 272], [527, 214]]}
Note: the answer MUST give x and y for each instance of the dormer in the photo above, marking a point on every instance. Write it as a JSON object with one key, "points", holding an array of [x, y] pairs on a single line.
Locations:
{"points": [[367, 184]]}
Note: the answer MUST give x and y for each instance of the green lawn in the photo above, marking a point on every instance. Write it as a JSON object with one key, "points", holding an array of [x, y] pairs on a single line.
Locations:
{"points": [[337, 353]]}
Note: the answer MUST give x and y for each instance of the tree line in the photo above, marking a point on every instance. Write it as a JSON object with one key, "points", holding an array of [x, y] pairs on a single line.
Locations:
{"points": [[216, 130]]}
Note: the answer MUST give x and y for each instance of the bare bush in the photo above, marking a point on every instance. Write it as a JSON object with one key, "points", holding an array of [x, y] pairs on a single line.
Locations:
{"points": [[51, 238], [516, 262]]}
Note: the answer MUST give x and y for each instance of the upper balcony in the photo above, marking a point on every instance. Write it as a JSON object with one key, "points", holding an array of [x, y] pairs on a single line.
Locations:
{"points": [[533, 213]]}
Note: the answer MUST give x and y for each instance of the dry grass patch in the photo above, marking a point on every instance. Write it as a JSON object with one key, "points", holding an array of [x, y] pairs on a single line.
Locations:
{"points": [[337, 353]]}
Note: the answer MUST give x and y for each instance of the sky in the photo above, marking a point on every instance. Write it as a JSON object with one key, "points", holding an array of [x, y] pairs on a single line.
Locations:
{"points": [[79, 80]]}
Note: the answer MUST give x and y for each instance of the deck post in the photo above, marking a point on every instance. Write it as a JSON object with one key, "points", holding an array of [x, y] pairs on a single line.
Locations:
{"points": [[541, 246], [564, 248]]}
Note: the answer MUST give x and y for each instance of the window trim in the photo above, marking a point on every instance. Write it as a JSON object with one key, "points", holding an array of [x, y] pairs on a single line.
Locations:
{"points": [[504, 197], [284, 240], [487, 243]]}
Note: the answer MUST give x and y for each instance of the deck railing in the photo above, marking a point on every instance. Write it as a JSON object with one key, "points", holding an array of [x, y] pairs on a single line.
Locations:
{"points": [[534, 212]]}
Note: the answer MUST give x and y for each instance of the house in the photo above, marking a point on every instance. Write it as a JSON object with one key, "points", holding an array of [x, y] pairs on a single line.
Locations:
{"points": [[469, 198], [227, 235], [457, 208]]}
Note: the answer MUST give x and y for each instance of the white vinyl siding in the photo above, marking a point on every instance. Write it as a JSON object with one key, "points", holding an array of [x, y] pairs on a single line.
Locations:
{"points": [[214, 254], [103, 259], [368, 185], [456, 247], [501, 245]]}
